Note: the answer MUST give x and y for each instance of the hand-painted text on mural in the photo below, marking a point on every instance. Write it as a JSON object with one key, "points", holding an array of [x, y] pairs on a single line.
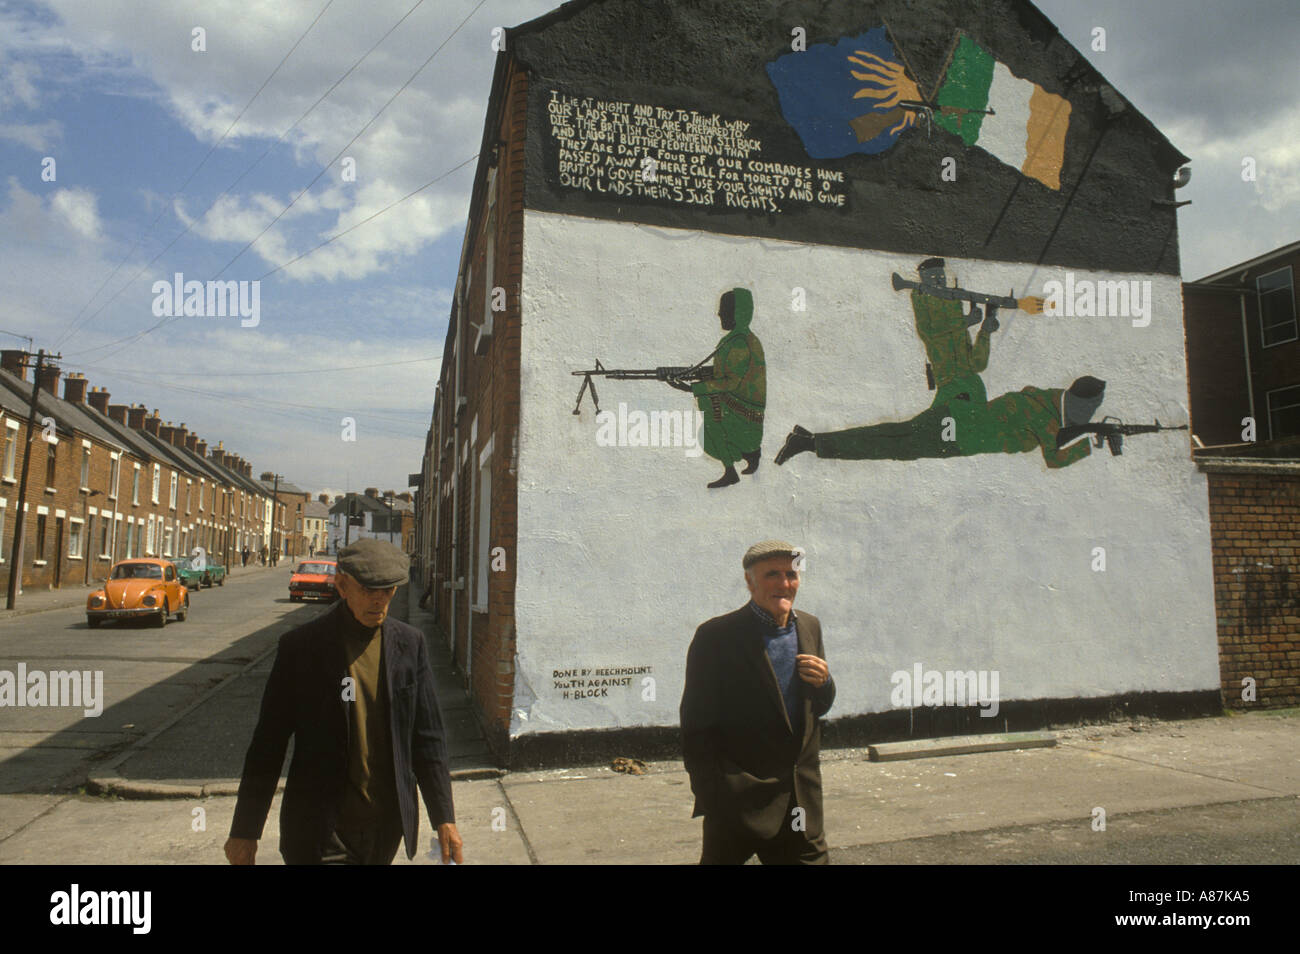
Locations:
{"points": [[600, 682], [678, 156]]}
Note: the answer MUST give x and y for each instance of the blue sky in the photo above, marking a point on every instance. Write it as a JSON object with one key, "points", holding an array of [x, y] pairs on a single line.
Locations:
{"points": [[114, 92]]}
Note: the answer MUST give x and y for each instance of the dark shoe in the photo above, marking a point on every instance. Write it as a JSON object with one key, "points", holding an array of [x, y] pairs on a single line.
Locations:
{"points": [[729, 477], [798, 441], [751, 462]]}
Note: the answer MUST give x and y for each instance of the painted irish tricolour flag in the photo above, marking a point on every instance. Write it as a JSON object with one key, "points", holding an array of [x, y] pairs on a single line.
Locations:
{"points": [[1028, 126]]}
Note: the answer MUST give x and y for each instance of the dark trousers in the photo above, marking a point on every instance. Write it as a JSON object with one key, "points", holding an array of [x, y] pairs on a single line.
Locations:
{"points": [[725, 843], [375, 845]]}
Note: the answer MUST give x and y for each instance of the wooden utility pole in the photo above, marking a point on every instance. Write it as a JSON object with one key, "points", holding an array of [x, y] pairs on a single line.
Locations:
{"points": [[275, 508], [20, 521]]}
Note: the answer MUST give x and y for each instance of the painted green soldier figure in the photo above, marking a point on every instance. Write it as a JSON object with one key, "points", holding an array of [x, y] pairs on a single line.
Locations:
{"points": [[733, 397], [954, 362], [1013, 423]]}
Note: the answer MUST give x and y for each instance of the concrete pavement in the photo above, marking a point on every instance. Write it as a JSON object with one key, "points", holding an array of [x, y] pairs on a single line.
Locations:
{"points": [[1185, 781]]}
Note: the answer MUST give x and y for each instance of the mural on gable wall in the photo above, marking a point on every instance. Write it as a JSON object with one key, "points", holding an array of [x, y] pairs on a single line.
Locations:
{"points": [[961, 421], [976, 99], [859, 95]]}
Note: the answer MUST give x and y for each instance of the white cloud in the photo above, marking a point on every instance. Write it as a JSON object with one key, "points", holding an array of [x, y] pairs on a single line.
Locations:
{"points": [[434, 124], [40, 137], [78, 207]]}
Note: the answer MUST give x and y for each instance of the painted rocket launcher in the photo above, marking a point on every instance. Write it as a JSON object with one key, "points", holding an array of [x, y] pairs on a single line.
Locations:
{"points": [[1031, 304]]}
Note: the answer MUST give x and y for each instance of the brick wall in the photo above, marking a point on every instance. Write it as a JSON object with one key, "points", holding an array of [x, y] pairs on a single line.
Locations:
{"points": [[482, 636], [1255, 532]]}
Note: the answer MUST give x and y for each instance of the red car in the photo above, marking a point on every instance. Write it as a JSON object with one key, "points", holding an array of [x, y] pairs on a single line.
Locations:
{"points": [[313, 580]]}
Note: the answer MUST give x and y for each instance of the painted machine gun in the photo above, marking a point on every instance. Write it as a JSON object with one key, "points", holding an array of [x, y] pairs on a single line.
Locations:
{"points": [[1112, 431], [684, 375]]}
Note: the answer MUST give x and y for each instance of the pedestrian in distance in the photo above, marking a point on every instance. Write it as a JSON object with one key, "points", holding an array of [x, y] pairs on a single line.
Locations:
{"points": [[757, 683], [355, 691]]}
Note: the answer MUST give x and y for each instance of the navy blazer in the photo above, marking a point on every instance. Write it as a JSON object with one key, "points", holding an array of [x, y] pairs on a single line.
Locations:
{"points": [[741, 753], [304, 699]]}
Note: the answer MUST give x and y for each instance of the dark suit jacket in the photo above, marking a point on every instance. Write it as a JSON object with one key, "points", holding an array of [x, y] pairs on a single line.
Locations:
{"points": [[742, 756], [304, 699]]}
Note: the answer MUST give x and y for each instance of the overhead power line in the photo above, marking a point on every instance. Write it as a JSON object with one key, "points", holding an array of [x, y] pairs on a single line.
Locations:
{"points": [[248, 374], [267, 151], [126, 341], [77, 320], [410, 79], [119, 344]]}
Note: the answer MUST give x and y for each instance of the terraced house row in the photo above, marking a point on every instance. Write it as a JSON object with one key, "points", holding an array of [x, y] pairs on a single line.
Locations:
{"points": [[109, 481]]}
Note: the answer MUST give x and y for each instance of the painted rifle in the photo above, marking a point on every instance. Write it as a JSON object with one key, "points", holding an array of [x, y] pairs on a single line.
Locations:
{"points": [[685, 375], [1112, 431], [929, 109]]}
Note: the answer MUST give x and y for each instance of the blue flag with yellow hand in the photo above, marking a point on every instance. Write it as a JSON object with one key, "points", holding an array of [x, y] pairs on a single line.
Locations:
{"points": [[842, 98]]}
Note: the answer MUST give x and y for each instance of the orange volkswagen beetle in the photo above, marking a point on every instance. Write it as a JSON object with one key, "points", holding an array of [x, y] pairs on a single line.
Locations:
{"points": [[140, 587]]}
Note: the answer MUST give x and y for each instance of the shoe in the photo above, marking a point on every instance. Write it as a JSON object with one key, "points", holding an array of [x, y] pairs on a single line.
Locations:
{"points": [[751, 461], [798, 441], [729, 477]]}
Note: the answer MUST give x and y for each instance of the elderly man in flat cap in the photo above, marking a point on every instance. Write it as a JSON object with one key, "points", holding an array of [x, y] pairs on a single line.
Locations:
{"points": [[355, 690], [756, 684]]}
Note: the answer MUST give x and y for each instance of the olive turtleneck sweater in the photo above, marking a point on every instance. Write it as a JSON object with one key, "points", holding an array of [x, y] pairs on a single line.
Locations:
{"points": [[370, 799]]}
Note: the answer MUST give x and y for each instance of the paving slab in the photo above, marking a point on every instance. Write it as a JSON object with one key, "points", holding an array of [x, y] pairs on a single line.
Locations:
{"points": [[19, 810], [594, 815], [867, 802]]}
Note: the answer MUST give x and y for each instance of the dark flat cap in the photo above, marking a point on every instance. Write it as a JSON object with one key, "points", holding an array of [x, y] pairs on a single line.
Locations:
{"points": [[375, 564], [767, 549]]}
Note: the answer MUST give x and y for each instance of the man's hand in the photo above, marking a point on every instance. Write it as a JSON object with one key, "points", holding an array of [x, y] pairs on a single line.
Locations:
{"points": [[450, 843], [813, 670], [241, 851]]}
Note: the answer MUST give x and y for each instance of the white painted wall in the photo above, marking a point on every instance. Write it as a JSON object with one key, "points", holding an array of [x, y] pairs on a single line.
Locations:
{"points": [[968, 563]]}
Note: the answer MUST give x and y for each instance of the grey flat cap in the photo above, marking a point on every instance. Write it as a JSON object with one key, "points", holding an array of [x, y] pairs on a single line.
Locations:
{"points": [[767, 549], [375, 564]]}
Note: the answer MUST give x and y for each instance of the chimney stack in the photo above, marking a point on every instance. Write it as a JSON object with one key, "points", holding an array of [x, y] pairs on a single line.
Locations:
{"points": [[15, 361], [98, 399], [74, 388], [50, 379], [153, 422], [135, 415], [192, 443]]}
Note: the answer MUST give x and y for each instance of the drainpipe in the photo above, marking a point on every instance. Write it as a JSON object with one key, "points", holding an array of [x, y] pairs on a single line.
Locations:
{"points": [[1245, 345], [453, 580], [436, 503]]}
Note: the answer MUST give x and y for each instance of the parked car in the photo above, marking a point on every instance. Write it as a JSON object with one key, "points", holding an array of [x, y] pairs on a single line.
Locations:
{"points": [[314, 580], [215, 572], [139, 588], [198, 578]]}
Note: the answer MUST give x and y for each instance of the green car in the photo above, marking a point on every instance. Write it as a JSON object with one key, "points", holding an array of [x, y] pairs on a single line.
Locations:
{"points": [[198, 572]]}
